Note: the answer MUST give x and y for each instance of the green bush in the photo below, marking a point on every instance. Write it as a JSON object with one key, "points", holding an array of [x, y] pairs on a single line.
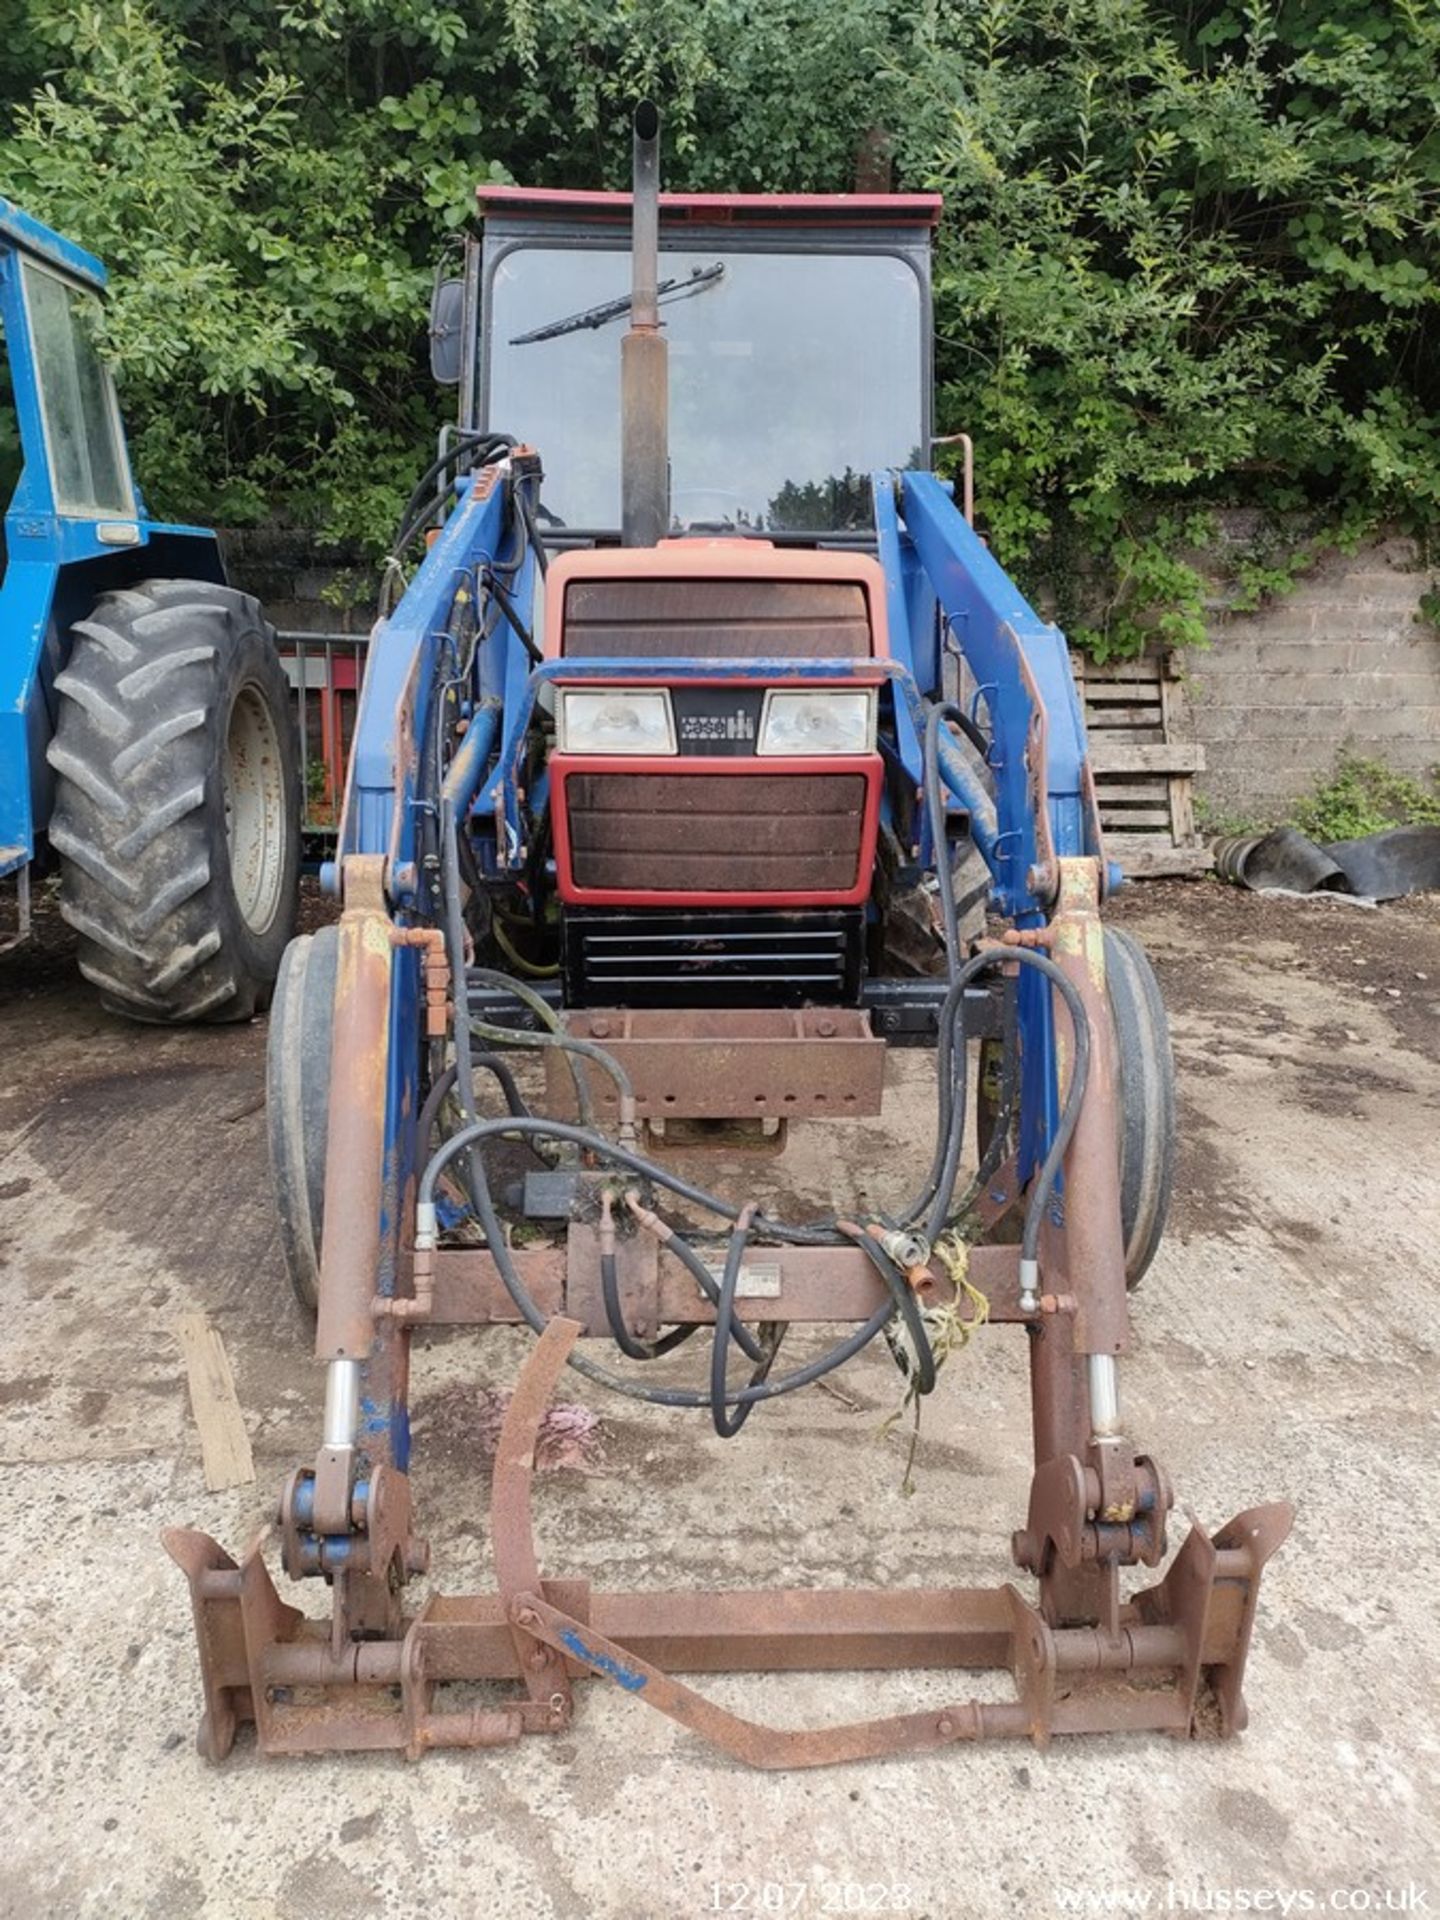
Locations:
{"points": [[1188, 259], [1366, 796]]}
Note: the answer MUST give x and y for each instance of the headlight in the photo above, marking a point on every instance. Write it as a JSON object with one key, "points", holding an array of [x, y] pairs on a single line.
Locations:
{"points": [[835, 722], [615, 720]]}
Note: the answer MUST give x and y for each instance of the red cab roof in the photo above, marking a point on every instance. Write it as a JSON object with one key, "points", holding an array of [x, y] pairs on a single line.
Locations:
{"points": [[718, 209]]}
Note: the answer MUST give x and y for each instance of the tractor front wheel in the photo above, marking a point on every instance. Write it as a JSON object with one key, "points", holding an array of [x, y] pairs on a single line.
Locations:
{"points": [[177, 802]]}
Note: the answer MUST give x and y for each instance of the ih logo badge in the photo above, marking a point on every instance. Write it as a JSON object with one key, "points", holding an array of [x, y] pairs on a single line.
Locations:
{"points": [[705, 729]]}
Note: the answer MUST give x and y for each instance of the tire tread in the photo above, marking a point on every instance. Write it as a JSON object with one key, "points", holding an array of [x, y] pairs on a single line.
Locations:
{"points": [[133, 755]]}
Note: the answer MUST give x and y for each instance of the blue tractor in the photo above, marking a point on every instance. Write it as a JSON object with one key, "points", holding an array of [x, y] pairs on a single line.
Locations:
{"points": [[148, 749], [703, 673]]}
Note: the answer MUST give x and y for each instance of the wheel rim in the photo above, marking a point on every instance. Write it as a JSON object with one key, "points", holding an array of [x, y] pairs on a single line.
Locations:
{"points": [[254, 781]]}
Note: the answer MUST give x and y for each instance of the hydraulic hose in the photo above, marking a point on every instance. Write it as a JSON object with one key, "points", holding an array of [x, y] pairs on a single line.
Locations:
{"points": [[469, 1137], [730, 1407], [728, 1422], [632, 1348]]}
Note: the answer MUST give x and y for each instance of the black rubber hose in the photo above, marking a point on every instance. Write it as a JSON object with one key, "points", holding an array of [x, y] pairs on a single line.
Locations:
{"points": [[972, 731], [552, 1033], [527, 514], [677, 1244], [468, 1139], [454, 929], [514, 1099], [632, 1348], [1069, 1113], [728, 1423], [507, 607], [908, 1308], [597, 1144], [494, 444], [491, 1063]]}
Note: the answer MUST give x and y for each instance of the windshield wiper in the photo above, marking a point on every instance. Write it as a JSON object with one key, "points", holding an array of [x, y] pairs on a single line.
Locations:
{"points": [[694, 282]]}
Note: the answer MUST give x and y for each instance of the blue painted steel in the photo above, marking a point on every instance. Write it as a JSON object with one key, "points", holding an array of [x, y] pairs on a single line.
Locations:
{"points": [[387, 789], [56, 564], [897, 619], [400, 676], [606, 1663], [23, 230], [1024, 665], [1022, 661], [472, 757]]}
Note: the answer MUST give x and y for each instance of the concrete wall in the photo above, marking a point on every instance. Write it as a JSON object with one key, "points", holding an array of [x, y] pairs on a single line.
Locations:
{"points": [[299, 584], [1343, 662]]}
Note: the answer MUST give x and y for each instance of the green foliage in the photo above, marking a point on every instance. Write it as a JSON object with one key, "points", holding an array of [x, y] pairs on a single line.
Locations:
{"points": [[1189, 256], [1366, 796]]}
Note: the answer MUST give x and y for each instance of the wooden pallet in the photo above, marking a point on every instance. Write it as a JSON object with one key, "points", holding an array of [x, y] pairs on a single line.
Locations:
{"points": [[1142, 777]]}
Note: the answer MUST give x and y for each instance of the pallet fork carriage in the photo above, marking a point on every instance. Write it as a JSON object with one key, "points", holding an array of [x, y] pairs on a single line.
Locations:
{"points": [[547, 762]]}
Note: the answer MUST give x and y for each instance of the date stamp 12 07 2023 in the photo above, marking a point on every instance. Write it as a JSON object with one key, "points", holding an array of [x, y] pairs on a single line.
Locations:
{"points": [[761, 1897]]}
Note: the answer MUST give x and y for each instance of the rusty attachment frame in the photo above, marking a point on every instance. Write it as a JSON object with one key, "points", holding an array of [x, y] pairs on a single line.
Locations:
{"points": [[1173, 1661], [1085, 1658], [745, 1063]]}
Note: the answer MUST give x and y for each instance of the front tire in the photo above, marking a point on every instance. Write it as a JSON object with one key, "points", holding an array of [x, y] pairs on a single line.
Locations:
{"points": [[177, 802]]}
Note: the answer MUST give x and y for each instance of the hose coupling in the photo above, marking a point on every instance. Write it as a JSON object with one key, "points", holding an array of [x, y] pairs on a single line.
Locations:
{"points": [[907, 1250], [386, 1306], [1029, 1286], [650, 1221]]}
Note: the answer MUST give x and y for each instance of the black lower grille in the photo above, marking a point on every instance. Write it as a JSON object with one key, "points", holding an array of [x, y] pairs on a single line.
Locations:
{"points": [[705, 958]]}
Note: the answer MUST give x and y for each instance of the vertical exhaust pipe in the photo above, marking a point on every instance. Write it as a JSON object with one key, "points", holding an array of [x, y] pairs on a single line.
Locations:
{"points": [[644, 357]]}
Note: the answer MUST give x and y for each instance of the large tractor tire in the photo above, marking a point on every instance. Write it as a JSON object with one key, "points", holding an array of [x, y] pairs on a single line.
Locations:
{"points": [[177, 802], [1146, 1089], [297, 1101], [1145, 1095]]}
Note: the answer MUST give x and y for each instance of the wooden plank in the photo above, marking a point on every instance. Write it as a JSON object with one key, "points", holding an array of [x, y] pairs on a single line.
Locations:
{"points": [[1148, 756], [1145, 668], [1127, 818], [1142, 776], [1131, 786], [1151, 856], [224, 1443], [1108, 700], [1117, 717], [1182, 811]]}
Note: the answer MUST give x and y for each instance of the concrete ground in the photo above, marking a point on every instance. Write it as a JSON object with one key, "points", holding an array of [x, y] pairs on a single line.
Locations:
{"points": [[1285, 1345]]}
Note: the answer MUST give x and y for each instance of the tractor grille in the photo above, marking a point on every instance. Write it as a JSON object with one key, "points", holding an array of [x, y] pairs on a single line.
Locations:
{"points": [[722, 619], [709, 832], [710, 958]]}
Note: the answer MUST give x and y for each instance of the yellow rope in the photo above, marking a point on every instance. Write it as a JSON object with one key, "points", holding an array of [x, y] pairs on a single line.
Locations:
{"points": [[949, 1331]]}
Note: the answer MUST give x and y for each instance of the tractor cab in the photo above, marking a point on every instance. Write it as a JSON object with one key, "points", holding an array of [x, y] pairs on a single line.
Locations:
{"points": [[798, 331], [720, 732]]}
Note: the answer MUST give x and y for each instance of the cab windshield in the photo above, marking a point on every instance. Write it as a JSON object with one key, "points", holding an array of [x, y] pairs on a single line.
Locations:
{"points": [[792, 377]]}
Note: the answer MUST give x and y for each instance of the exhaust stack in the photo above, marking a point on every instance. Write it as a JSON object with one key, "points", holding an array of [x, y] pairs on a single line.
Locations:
{"points": [[644, 357]]}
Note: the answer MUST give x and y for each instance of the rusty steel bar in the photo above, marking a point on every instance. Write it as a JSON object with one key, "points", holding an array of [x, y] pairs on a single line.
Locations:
{"points": [[517, 1569], [819, 1285], [768, 1748], [1087, 1256], [354, 1160]]}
